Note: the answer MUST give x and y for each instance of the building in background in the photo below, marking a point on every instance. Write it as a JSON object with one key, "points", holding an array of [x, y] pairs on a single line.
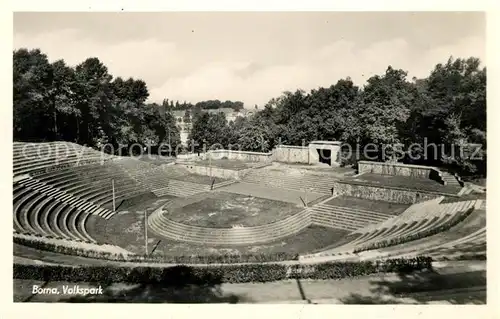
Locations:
{"points": [[185, 120]]}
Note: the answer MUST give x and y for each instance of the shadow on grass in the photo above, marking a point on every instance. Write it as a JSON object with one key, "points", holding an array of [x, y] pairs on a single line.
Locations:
{"points": [[182, 286], [425, 286]]}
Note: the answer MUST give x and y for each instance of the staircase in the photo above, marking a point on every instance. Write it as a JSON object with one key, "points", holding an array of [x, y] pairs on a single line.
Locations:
{"points": [[450, 179], [313, 183], [181, 189], [345, 218]]}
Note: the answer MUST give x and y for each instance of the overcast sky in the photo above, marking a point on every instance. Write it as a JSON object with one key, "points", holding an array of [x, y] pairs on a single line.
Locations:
{"points": [[252, 57]]}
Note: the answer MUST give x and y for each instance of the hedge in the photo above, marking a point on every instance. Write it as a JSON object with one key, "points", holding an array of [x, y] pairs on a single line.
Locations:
{"points": [[169, 259], [458, 218], [243, 273]]}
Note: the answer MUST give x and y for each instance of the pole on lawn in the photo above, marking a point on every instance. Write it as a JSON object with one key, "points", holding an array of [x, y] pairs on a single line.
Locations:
{"points": [[210, 163], [146, 231], [114, 199], [305, 197]]}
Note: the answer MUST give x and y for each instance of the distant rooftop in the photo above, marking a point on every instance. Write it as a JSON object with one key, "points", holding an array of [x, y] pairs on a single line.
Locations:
{"points": [[227, 111]]}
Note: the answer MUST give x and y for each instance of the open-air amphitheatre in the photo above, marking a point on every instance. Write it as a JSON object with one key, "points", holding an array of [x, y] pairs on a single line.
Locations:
{"points": [[292, 207]]}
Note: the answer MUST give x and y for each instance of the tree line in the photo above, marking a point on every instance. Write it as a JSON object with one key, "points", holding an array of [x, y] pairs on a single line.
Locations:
{"points": [[87, 105], [437, 120]]}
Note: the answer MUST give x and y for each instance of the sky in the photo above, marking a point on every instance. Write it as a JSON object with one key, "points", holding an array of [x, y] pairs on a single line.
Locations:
{"points": [[252, 56]]}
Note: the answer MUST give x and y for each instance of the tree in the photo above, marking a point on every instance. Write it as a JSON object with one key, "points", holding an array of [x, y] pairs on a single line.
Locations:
{"points": [[54, 101], [209, 130], [64, 103], [454, 111], [187, 116], [32, 92]]}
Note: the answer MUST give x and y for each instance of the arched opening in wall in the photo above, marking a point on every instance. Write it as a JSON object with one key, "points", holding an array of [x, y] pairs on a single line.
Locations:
{"points": [[325, 156]]}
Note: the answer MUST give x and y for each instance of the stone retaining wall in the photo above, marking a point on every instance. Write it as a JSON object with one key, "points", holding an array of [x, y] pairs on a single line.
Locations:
{"points": [[386, 194], [291, 154], [399, 169], [213, 171]]}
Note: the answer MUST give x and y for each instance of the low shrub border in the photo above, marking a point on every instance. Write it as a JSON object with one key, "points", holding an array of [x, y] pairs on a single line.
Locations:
{"points": [[244, 273], [458, 218], [192, 259]]}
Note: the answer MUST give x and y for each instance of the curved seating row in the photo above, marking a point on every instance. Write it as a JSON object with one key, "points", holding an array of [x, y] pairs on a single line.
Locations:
{"points": [[40, 214], [472, 243], [93, 183], [34, 185], [163, 226], [416, 219], [161, 180], [32, 157]]}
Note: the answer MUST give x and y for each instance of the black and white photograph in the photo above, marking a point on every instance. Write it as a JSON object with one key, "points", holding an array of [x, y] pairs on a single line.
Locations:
{"points": [[315, 157]]}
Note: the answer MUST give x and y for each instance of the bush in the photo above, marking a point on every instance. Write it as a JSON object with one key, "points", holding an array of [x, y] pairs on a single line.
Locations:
{"points": [[181, 275], [458, 218], [40, 244]]}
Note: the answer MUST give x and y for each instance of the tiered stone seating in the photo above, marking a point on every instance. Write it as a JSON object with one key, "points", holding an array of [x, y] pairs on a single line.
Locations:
{"points": [[321, 184], [93, 183], [474, 243], [41, 214], [32, 157], [416, 219], [181, 189], [161, 180], [58, 185], [345, 217], [160, 224], [52, 192]]}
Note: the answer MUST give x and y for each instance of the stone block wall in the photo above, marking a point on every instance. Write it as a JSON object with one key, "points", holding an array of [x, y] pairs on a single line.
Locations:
{"points": [[398, 169], [386, 194], [291, 154]]}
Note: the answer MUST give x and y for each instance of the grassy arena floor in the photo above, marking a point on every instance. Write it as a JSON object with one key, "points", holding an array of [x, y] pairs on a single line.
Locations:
{"points": [[126, 230], [224, 210]]}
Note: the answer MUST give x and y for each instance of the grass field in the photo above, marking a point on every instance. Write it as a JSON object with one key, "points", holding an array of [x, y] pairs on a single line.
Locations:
{"points": [[224, 210], [127, 230]]}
